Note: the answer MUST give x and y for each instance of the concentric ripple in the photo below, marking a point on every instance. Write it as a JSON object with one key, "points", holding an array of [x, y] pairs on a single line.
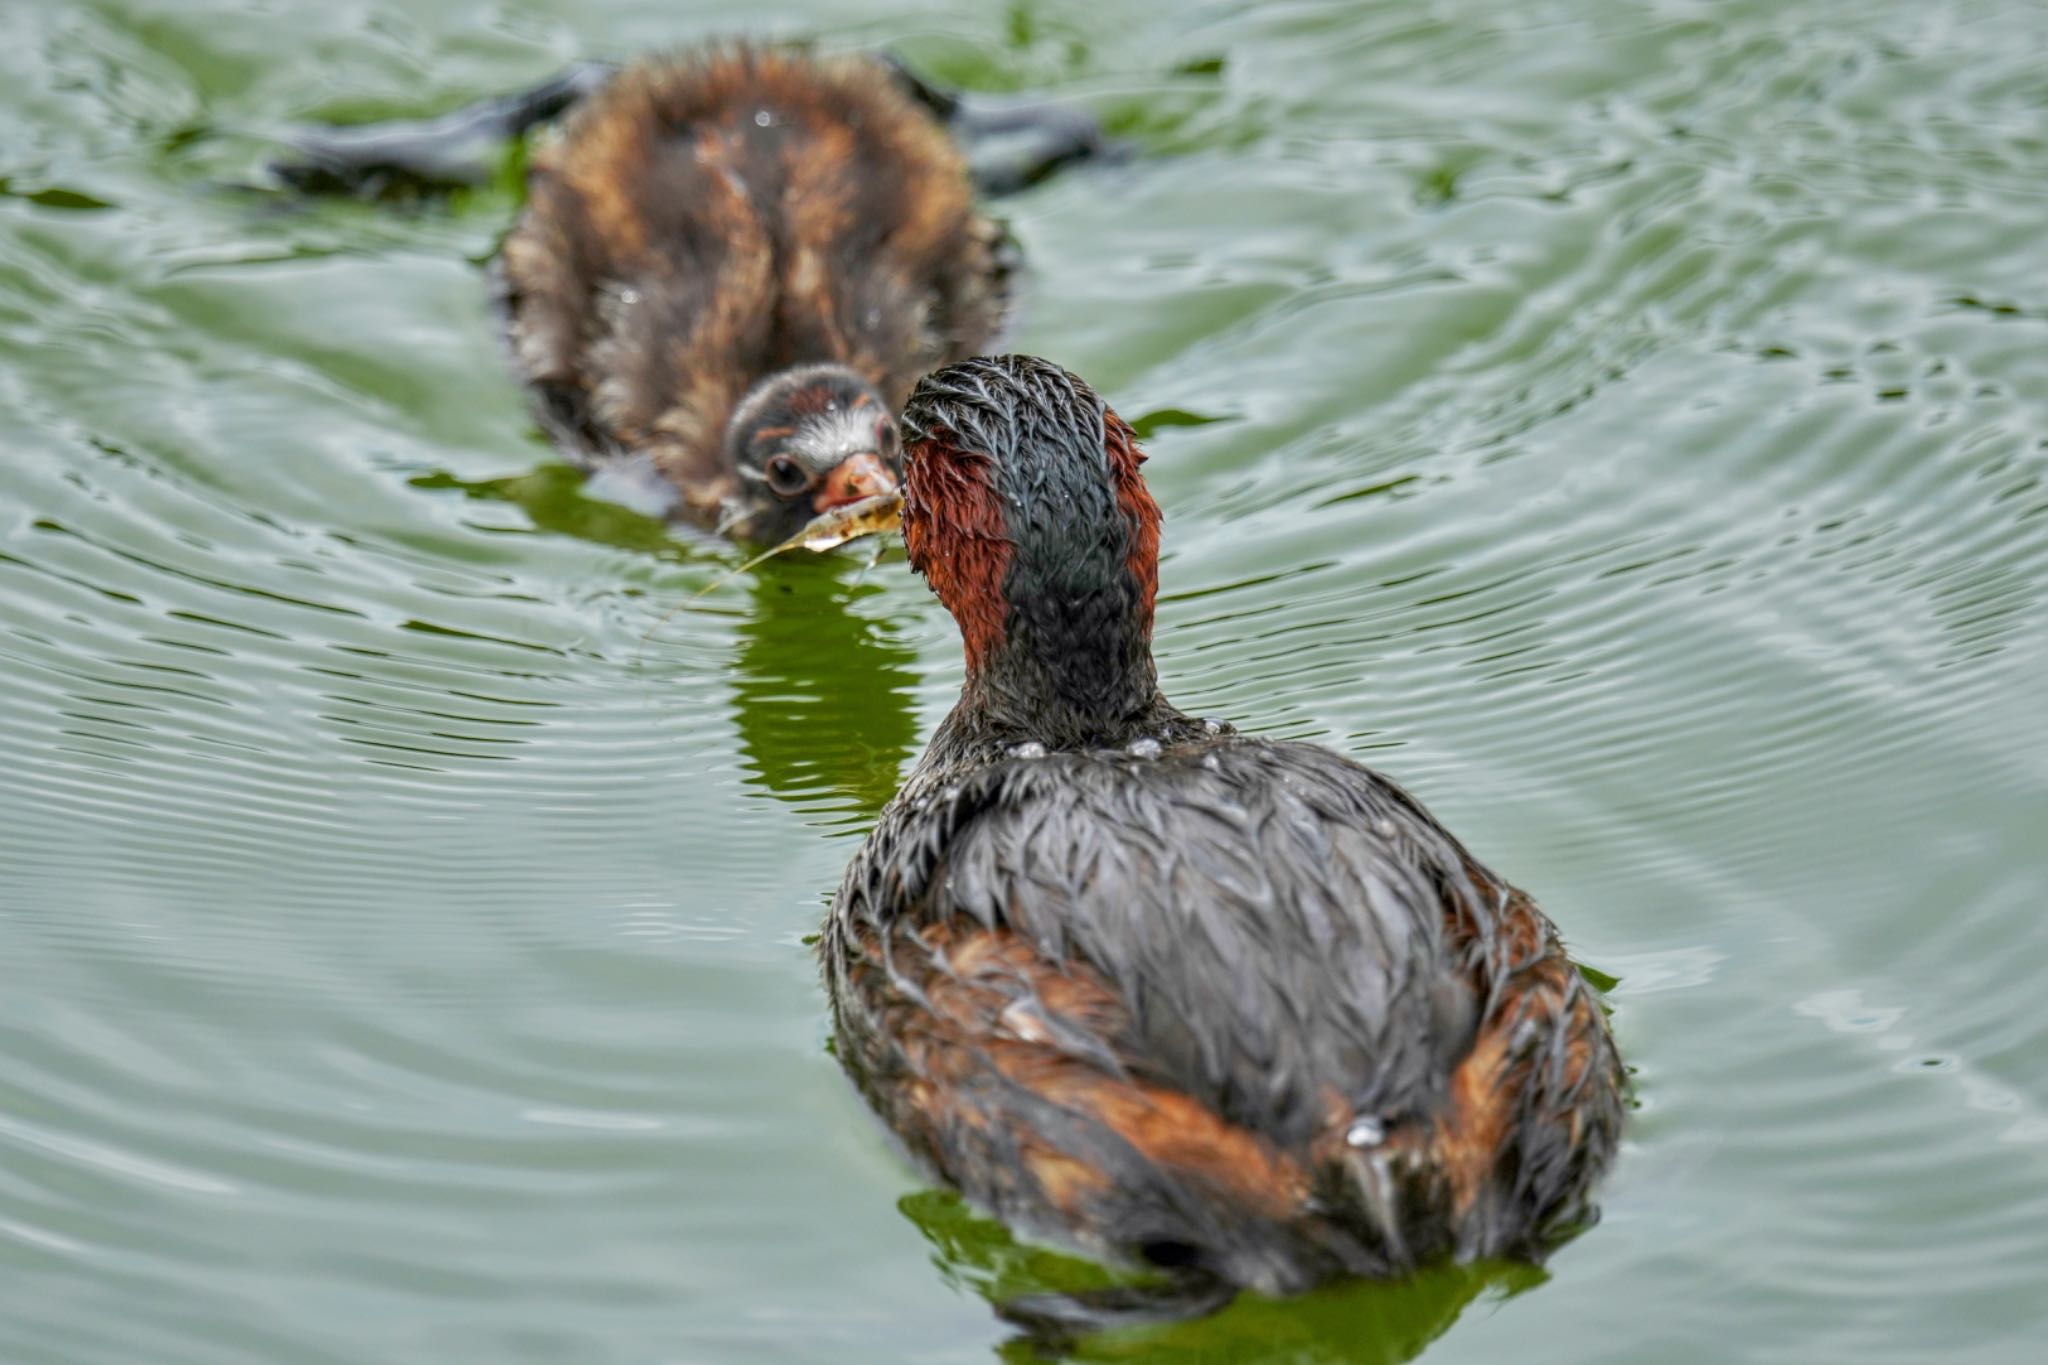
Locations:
{"points": [[1625, 423]]}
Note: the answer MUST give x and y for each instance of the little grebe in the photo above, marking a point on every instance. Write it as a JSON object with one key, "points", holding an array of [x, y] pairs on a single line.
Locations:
{"points": [[1235, 1008], [732, 265]]}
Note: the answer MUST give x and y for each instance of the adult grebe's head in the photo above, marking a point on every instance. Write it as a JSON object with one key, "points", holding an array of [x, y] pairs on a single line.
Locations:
{"points": [[1025, 512]]}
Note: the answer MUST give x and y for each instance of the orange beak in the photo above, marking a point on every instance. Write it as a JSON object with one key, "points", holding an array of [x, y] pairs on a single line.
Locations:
{"points": [[856, 477]]}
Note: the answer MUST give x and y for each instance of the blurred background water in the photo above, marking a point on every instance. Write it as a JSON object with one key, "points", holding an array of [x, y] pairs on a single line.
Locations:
{"points": [[1623, 422]]}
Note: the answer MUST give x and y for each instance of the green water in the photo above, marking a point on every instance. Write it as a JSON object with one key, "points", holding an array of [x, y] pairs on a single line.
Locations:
{"points": [[1625, 423]]}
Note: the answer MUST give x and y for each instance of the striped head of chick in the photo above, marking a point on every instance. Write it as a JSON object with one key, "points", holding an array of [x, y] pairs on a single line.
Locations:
{"points": [[805, 441]]}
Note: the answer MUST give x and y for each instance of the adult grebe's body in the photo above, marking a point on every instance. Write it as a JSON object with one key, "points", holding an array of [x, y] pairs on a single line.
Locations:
{"points": [[1236, 1008]]}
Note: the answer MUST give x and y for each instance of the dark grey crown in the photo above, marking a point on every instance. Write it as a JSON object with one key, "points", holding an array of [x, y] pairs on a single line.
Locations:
{"points": [[1000, 405]]}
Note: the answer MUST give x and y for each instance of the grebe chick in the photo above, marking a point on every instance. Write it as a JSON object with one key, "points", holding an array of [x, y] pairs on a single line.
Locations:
{"points": [[732, 264], [1234, 1008]]}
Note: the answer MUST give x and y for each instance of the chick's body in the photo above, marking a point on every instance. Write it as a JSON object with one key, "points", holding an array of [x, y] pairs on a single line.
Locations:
{"points": [[704, 224]]}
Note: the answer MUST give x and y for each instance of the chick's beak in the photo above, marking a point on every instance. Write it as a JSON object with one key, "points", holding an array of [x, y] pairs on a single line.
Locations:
{"points": [[854, 478]]}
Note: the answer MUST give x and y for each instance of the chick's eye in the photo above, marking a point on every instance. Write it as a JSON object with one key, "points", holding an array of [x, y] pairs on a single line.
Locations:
{"points": [[786, 476]]}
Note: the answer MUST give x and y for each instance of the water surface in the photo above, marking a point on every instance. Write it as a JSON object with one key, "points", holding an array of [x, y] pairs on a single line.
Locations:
{"points": [[1625, 423]]}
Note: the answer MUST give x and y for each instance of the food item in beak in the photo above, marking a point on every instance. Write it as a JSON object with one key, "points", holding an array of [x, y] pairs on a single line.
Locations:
{"points": [[849, 521], [829, 530]]}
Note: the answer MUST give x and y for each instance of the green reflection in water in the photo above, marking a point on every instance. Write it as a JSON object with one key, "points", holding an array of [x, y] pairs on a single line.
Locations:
{"points": [[1146, 425], [552, 494], [1356, 1323], [822, 695], [1359, 1323]]}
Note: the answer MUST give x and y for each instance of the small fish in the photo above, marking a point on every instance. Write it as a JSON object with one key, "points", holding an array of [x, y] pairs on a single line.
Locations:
{"points": [[829, 530]]}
